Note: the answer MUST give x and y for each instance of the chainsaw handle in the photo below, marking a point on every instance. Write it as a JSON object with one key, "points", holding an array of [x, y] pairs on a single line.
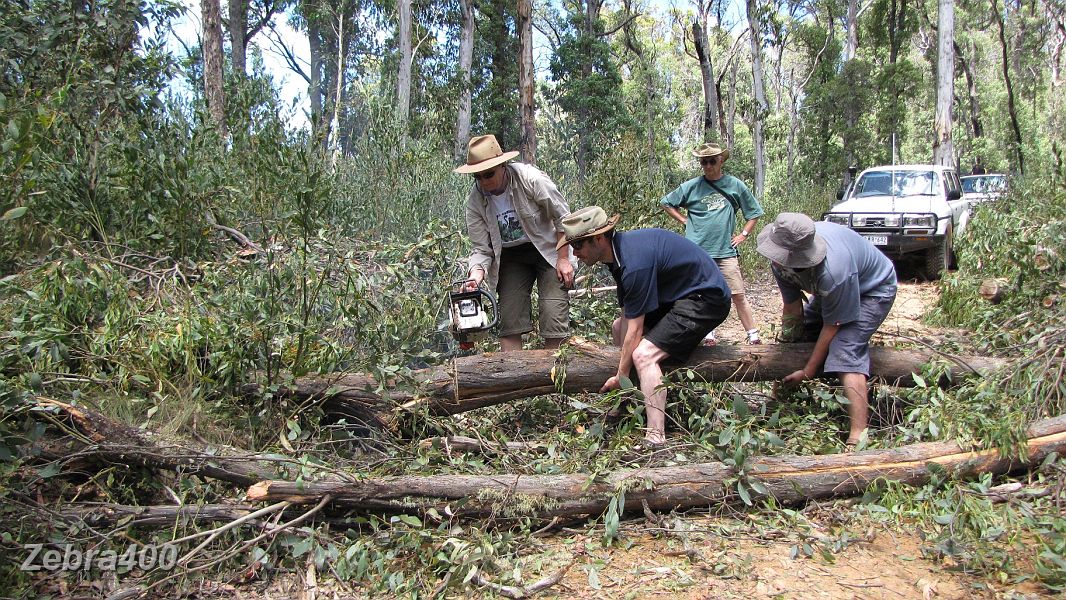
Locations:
{"points": [[495, 310], [459, 287]]}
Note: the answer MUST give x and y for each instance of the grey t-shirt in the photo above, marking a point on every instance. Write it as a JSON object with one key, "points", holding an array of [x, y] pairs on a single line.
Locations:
{"points": [[853, 268]]}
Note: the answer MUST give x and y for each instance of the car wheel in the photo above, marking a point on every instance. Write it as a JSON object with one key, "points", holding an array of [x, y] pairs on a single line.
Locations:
{"points": [[940, 258]]}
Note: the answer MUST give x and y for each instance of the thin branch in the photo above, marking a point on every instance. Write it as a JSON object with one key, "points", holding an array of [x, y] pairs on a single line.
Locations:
{"points": [[282, 50], [508, 591]]}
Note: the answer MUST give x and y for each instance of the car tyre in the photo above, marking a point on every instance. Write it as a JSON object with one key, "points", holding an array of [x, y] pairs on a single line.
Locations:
{"points": [[940, 258]]}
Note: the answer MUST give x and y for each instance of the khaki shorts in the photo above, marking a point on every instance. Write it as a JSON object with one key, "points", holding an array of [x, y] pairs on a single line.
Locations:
{"points": [[520, 268], [730, 268]]}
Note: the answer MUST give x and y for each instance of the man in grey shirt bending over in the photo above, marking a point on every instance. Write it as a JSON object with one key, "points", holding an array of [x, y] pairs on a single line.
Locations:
{"points": [[852, 287]]}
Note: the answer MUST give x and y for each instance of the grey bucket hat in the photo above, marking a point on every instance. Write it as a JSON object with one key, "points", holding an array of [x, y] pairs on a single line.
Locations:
{"points": [[791, 241]]}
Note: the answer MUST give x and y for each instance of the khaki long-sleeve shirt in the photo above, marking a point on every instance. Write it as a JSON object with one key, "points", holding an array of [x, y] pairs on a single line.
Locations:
{"points": [[540, 208]]}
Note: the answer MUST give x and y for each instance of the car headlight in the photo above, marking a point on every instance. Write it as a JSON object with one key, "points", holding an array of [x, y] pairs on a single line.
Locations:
{"points": [[919, 221], [838, 219], [891, 220]]}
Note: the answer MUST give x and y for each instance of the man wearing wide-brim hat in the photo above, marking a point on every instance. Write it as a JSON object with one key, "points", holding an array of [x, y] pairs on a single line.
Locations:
{"points": [[711, 203], [671, 294], [852, 286], [513, 214]]}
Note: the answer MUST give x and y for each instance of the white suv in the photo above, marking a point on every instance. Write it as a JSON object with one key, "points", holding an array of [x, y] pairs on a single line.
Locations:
{"points": [[906, 209]]}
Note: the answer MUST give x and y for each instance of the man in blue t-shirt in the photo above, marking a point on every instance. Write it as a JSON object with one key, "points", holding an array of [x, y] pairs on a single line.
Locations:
{"points": [[852, 287], [711, 203], [671, 294]]}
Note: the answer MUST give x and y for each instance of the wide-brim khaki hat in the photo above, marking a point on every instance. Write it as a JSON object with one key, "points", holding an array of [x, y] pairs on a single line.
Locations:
{"points": [[483, 153], [791, 241], [585, 223], [710, 149]]}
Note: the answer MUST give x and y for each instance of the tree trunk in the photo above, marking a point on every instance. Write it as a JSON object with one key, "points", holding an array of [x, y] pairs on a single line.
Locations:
{"points": [[527, 145], [477, 381], [789, 480], [943, 152], [759, 90], [403, 77], [213, 64], [237, 24], [851, 48], [1011, 108], [117, 443], [338, 94], [466, 57], [314, 92], [731, 107], [851, 112], [710, 94], [976, 130], [793, 131], [109, 515]]}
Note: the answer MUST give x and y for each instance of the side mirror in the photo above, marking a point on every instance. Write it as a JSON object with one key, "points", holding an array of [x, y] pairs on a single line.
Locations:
{"points": [[840, 193], [954, 195]]}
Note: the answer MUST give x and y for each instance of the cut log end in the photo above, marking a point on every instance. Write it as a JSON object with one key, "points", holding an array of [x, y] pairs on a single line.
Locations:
{"points": [[993, 290], [259, 492]]}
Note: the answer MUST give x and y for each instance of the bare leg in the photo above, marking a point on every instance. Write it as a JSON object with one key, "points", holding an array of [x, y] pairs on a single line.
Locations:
{"points": [[511, 343], [646, 359], [859, 408], [740, 301], [618, 331]]}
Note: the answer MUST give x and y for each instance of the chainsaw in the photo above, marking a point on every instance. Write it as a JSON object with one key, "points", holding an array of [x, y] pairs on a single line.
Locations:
{"points": [[470, 311]]}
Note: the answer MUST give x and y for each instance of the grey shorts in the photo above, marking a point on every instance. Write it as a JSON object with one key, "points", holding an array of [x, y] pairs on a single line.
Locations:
{"points": [[520, 267], [849, 352], [730, 268]]}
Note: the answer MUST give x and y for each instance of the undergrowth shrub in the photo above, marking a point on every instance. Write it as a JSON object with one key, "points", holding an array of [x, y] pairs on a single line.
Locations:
{"points": [[1019, 241]]}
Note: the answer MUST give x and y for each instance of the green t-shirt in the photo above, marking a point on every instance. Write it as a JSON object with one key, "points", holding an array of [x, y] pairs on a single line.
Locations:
{"points": [[712, 217]]}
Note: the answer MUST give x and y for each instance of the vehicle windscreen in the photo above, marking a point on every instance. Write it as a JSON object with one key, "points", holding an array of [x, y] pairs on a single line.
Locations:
{"points": [[983, 184], [897, 183]]}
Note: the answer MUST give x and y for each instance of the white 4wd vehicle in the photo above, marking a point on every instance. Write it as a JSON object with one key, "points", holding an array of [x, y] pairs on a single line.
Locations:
{"points": [[907, 209]]}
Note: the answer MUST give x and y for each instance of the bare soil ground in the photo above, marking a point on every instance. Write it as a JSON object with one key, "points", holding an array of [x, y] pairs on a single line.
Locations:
{"points": [[913, 298]]}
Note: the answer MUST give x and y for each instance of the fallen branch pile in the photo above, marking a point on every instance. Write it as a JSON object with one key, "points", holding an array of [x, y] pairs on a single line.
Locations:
{"points": [[94, 437]]}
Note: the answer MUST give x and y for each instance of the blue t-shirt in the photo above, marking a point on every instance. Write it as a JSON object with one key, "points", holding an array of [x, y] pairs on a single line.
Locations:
{"points": [[853, 268], [712, 217], [654, 267]]}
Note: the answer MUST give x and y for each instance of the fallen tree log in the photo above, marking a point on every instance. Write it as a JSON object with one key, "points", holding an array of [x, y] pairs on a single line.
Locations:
{"points": [[462, 443], [788, 479], [473, 382], [101, 438], [100, 515]]}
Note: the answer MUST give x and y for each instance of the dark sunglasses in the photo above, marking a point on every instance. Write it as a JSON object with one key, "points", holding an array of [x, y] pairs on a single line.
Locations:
{"points": [[577, 244], [708, 160], [485, 175]]}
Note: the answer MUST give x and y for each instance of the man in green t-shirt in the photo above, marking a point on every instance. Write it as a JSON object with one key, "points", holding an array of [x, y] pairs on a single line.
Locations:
{"points": [[711, 202]]}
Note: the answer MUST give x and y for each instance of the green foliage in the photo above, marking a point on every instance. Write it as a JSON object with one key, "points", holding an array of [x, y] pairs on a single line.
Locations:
{"points": [[1018, 241], [588, 86], [964, 523], [494, 75]]}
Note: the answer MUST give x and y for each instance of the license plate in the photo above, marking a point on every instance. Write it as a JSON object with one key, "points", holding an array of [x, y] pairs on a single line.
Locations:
{"points": [[877, 240]]}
